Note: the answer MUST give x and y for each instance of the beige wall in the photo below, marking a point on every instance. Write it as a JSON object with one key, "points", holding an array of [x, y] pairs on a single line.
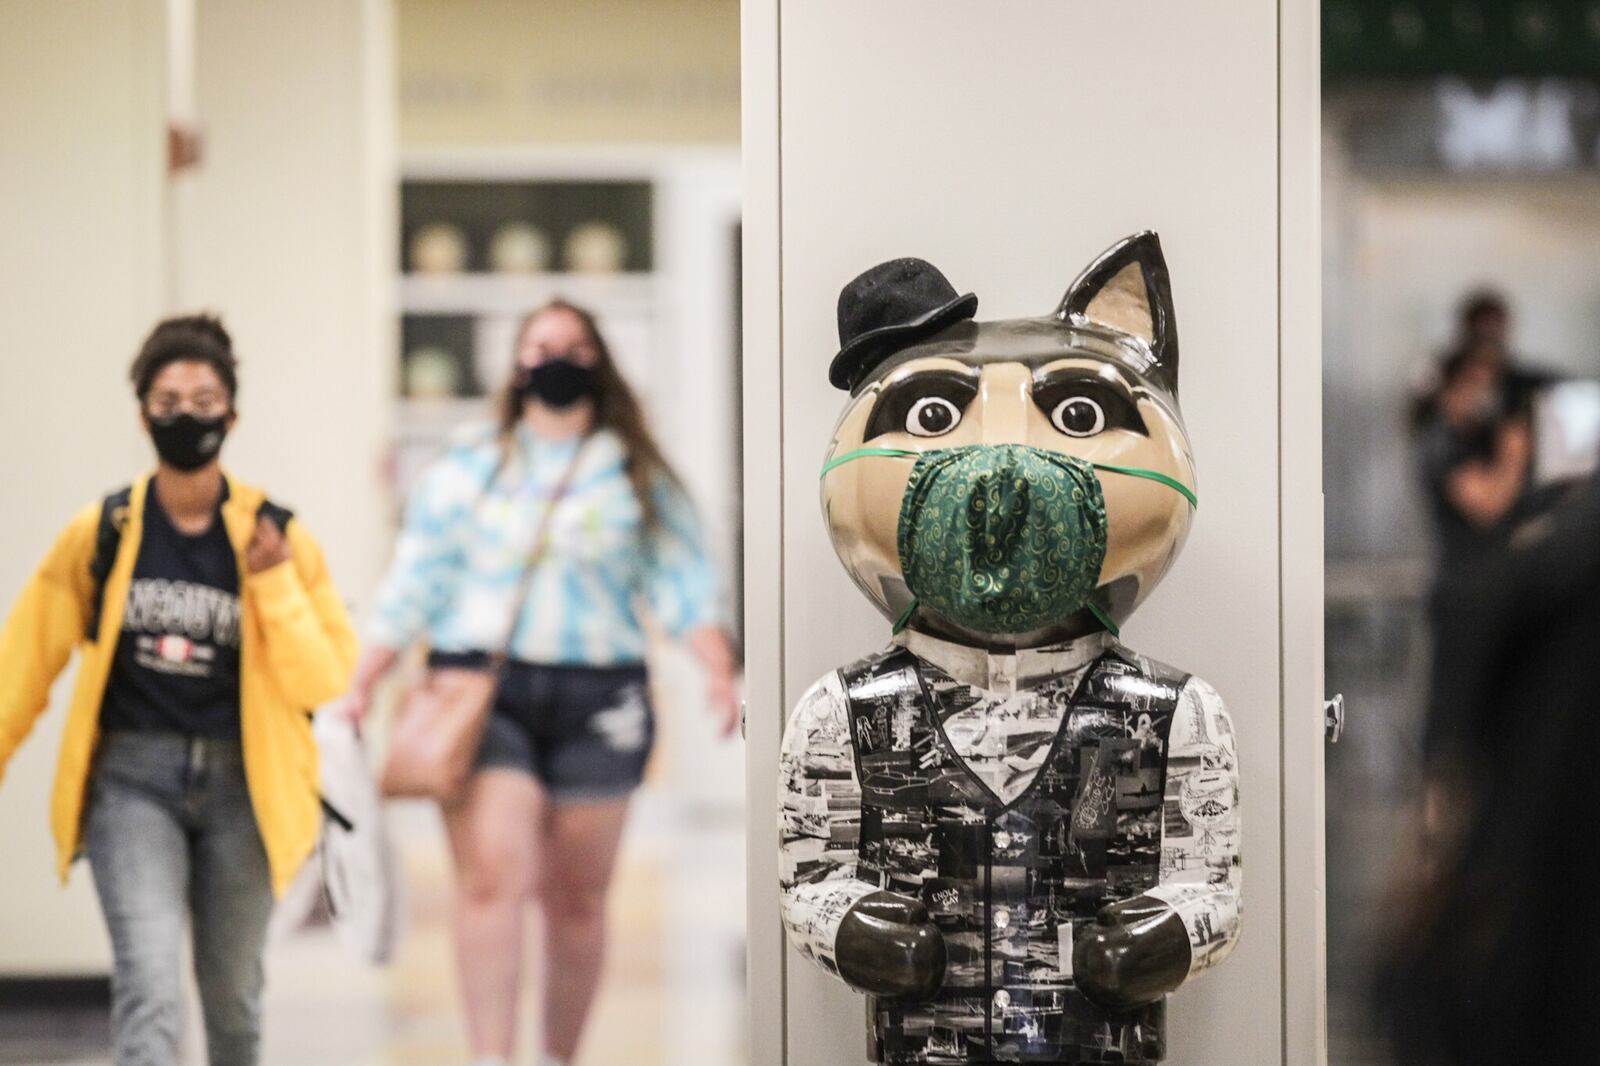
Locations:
{"points": [[81, 119], [509, 72]]}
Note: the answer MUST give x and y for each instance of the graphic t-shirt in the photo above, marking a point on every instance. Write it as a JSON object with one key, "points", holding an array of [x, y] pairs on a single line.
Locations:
{"points": [[177, 664]]}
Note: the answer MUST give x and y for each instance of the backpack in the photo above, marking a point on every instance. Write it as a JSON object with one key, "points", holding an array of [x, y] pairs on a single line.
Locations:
{"points": [[108, 540]]}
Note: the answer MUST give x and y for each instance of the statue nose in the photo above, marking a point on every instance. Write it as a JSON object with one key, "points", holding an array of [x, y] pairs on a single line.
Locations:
{"points": [[1005, 398]]}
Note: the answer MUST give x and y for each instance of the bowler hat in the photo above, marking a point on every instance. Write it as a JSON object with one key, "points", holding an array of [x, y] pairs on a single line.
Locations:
{"points": [[888, 307]]}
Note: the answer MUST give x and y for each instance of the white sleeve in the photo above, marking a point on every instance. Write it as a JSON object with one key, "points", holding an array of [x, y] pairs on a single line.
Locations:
{"points": [[1201, 873], [819, 822]]}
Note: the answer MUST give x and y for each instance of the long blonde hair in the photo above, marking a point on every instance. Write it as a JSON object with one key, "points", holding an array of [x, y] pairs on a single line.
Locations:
{"points": [[616, 409]]}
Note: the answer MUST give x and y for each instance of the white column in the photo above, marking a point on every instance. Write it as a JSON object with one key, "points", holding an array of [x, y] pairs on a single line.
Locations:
{"points": [[287, 230], [1008, 144], [82, 121]]}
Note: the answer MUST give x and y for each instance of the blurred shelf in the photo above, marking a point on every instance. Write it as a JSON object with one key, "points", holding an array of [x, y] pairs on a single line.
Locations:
{"points": [[512, 295]]}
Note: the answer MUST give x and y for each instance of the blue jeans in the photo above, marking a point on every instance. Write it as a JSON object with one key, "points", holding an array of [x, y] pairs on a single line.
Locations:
{"points": [[172, 840]]}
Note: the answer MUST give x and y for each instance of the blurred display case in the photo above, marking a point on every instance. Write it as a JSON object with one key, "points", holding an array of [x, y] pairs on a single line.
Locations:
{"points": [[484, 240]]}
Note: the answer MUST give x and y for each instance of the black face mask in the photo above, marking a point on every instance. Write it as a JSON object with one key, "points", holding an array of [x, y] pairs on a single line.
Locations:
{"points": [[186, 442], [557, 382]]}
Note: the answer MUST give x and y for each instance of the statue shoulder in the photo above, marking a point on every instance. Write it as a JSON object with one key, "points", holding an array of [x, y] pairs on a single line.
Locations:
{"points": [[823, 710], [1202, 721], [1147, 683], [819, 714], [891, 660]]}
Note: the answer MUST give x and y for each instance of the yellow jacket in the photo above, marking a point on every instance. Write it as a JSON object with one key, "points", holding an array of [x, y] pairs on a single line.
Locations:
{"points": [[297, 650]]}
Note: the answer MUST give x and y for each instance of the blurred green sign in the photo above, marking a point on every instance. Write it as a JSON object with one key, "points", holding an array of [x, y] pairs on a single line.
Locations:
{"points": [[1389, 39]]}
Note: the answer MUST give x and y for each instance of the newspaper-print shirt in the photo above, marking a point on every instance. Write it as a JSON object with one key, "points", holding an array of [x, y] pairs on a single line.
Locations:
{"points": [[460, 555]]}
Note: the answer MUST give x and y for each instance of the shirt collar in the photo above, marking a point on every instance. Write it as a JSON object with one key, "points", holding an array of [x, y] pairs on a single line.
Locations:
{"points": [[1004, 672]]}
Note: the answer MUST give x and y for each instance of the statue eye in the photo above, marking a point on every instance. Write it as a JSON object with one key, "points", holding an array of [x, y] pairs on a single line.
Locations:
{"points": [[1078, 416], [928, 404], [932, 416], [1081, 404]]}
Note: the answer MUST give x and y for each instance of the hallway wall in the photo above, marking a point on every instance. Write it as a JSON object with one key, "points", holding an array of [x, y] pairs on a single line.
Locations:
{"points": [[285, 229], [81, 249], [288, 230]]}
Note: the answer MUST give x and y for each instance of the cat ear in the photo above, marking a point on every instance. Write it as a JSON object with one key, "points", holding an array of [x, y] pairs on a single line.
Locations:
{"points": [[1127, 289]]}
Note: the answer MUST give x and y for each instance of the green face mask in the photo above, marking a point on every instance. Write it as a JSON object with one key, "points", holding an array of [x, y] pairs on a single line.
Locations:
{"points": [[1003, 538]]}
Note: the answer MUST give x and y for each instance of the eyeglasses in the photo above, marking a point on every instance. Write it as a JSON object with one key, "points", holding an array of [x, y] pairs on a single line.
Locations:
{"points": [[201, 405]]}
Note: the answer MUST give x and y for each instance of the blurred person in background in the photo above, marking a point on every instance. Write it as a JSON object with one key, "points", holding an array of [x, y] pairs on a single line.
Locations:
{"points": [[571, 726], [1475, 427], [1473, 417], [207, 625], [1493, 957]]}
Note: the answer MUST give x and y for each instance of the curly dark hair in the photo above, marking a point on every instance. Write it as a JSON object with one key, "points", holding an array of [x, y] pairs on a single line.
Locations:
{"points": [[200, 338]]}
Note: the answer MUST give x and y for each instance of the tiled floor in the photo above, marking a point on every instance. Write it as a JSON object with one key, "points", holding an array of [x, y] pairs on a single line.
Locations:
{"points": [[674, 987]]}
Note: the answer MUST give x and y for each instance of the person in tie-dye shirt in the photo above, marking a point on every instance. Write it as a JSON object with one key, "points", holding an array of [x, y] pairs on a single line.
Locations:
{"points": [[571, 726]]}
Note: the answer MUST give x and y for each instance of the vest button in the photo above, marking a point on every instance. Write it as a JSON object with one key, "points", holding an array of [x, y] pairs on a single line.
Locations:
{"points": [[1002, 918]]}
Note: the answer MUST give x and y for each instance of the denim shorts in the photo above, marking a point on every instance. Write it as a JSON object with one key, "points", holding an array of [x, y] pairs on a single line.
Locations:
{"points": [[583, 732]]}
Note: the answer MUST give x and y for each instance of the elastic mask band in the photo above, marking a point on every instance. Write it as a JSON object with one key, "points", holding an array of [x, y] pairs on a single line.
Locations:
{"points": [[1104, 619], [1130, 471]]}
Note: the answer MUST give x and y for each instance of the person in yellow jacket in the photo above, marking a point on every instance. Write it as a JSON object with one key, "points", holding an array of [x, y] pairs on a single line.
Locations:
{"points": [[208, 629]]}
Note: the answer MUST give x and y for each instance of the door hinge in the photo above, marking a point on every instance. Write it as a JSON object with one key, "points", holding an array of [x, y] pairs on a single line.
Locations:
{"points": [[1333, 717]]}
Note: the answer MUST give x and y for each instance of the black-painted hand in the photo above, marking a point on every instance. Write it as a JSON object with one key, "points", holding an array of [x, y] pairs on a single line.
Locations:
{"points": [[1136, 952], [888, 946]]}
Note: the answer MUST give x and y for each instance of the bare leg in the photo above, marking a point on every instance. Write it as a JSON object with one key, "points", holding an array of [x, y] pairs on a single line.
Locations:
{"points": [[494, 832], [580, 851]]}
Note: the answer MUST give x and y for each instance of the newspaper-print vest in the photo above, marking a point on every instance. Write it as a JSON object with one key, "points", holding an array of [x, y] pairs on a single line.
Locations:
{"points": [[1009, 882]]}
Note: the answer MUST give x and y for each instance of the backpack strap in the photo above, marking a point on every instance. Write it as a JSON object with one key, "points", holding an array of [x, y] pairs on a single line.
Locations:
{"points": [[107, 540]]}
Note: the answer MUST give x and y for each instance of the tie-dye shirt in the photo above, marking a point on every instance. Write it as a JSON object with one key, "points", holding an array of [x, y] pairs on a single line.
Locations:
{"points": [[453, 581]]}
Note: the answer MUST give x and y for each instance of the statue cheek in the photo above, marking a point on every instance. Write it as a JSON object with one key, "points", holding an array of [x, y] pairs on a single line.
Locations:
{"points": [[862, 503]]}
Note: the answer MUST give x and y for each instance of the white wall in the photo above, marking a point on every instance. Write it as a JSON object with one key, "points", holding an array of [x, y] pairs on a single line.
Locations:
{"points": [[287, 231], [82, 124], [1009, 145]]}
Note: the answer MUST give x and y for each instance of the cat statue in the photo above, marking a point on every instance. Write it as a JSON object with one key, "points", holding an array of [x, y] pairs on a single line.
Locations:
{"points": [[1013, 833]]}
